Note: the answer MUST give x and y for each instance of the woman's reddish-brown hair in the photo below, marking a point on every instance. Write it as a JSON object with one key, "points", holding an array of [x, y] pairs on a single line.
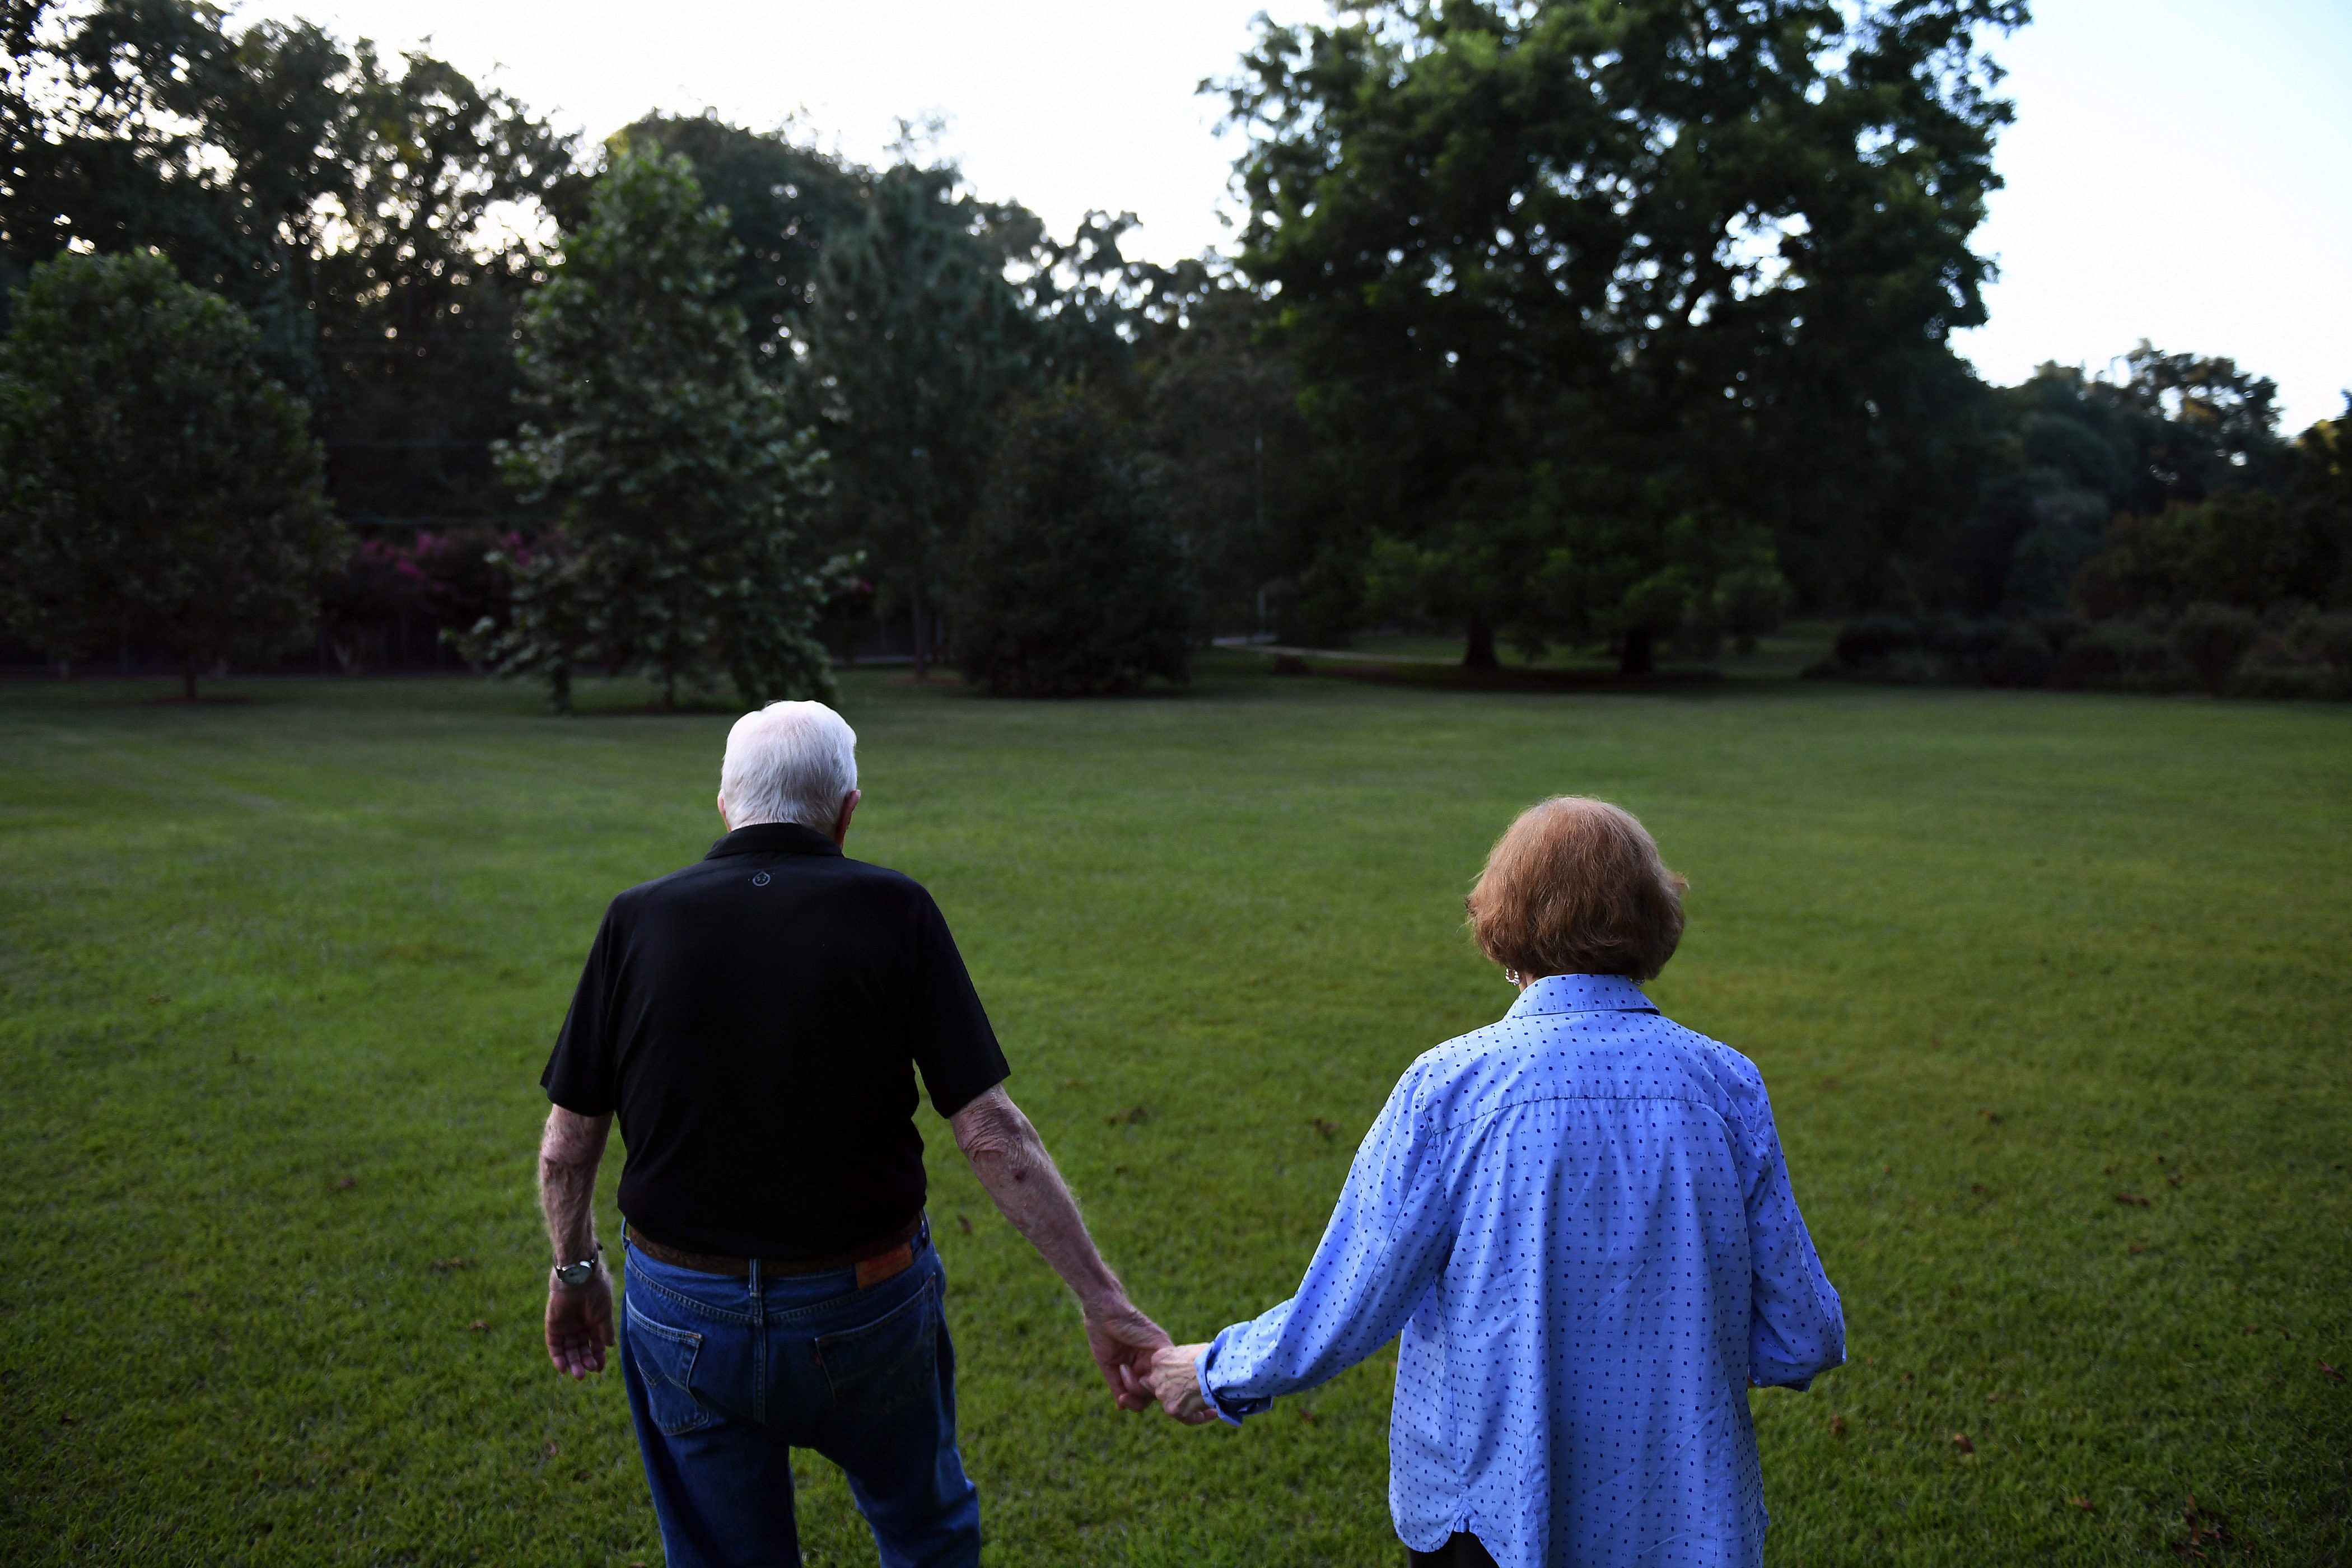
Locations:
{"points": [[1576, 887]]}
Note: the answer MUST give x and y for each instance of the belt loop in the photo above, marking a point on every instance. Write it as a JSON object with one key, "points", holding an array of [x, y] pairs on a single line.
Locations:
{"points": [[759, 1346]]}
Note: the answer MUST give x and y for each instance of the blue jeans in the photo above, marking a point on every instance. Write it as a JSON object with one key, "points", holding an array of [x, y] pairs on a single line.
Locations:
{"points": [[727, 1376]]}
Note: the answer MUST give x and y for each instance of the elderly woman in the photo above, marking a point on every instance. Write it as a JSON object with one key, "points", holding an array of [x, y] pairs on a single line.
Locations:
{"points": [[1580, 1218]]}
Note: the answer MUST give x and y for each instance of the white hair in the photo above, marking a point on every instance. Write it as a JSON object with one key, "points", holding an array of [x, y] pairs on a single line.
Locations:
{"points": [[790, 761]]}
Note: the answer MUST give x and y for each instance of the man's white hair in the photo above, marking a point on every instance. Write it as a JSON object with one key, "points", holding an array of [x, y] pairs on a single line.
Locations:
{"points": [[790, 761]]}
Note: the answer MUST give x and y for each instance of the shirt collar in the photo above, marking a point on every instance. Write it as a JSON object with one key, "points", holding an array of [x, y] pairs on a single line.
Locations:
{"points": [[774, 838], [1581, 993]]}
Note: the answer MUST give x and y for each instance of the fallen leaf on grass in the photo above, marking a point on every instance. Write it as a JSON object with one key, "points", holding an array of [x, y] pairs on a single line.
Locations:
{"points": [[2131, 1199], [346, 1183], [2086, 1504], [1306, 1416], [1131, 1117], [2175, 1179], [478, 1326], [1991, 1116], [1960, 1441], [1837, 1426], [550, 1448], [2136, 1248], [451, 1264], [2331, 1372], [963, 1225], [1326, 1128], [2200, 1527]]}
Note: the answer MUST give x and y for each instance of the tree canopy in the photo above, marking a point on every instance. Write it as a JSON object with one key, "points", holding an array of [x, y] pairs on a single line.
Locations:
{"points": [[680, 487], [1605, 301], [155, 484], [915, 342]]}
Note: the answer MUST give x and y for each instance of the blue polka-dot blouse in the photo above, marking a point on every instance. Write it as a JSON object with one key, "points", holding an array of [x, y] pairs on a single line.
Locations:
{"points": [[1580, 1219]]}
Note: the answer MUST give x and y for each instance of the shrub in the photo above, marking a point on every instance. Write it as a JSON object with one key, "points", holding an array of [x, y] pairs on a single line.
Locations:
{"points": [[2022, 658], [2333, 634], [1071, 582], [2211, 639], [2114, 653], [1869, 639]]}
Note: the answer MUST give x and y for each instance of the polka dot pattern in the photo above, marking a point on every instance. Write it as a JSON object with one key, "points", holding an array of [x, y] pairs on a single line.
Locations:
{"points": [[1580, 1220]]}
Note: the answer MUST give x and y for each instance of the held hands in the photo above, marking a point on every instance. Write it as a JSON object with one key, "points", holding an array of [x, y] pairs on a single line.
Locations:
{"points": [[580, 1324], [1124, 1342], [1141, 1364]]}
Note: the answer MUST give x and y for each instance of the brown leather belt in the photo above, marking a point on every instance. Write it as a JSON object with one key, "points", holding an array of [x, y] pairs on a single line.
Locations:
{"points": [[876, 1261]]}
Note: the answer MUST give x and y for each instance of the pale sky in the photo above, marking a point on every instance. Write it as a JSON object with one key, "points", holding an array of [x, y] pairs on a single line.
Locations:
{"points": [[2179, 170]]}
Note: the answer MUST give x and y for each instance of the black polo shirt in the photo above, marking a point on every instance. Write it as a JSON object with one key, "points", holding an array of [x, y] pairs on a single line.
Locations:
{"points": [[755, 1021]]}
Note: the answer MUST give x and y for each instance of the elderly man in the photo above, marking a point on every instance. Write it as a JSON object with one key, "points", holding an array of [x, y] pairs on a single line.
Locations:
{"points": [[756, 1021]]}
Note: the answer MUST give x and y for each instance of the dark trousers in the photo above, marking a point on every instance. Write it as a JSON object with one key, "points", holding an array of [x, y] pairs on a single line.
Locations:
{"points": [[1463, 1552], [727, 1376]]}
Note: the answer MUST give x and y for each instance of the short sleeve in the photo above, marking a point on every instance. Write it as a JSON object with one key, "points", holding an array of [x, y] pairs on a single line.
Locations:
{"points": [[953, 1043], [581, 1073]]}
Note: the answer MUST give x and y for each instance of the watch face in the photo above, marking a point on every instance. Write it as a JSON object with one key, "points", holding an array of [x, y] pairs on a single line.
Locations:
{"points": [[577, 1273]]}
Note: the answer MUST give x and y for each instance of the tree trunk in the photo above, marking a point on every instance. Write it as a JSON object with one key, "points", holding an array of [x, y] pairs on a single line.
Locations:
{"points": [[1640, 654], [922, 632], [188, 676], [1478, 651]]}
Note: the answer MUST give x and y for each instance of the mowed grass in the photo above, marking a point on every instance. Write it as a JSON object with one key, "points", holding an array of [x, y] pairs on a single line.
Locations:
{"points": [[2051, 993]]}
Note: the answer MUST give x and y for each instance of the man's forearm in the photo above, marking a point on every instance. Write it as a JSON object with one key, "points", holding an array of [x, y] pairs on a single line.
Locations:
{"points": [[569, 1153], [1012, 1162]]}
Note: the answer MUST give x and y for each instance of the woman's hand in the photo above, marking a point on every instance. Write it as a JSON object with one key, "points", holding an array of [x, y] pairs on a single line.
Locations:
{"points": [[1175, 1380]]}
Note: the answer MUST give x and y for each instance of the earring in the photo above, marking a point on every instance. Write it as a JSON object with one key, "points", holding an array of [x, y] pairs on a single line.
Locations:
{"points": [[1512, 975]]}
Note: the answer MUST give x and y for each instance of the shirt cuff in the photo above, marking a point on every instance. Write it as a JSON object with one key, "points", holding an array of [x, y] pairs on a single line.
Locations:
{"points": [[1229, 1410]]}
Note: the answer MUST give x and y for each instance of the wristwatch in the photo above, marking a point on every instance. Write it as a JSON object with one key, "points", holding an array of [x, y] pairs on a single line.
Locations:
{"points": [[572, 1276]]}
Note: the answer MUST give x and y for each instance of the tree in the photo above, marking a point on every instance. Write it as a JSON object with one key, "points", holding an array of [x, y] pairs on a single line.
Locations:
{"points": [[677, 479], [417, 304], [1599, 299], [782, 203], [2165, 486], [155, 486], [1072, 581], [142, 123], [916, 340], [1221, 408]]}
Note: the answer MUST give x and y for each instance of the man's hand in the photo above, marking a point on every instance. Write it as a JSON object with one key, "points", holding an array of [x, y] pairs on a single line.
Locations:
{"points": [[1124, 1342], [1175, 1381], [580, 1323]]}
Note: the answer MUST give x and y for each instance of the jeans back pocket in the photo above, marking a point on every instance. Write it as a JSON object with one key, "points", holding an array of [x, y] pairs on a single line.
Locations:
{"points": [[665, 1361], [887, 1364]]}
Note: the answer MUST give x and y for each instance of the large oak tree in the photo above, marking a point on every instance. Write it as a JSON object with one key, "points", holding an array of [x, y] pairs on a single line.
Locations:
{"points": [[1622, 308]]}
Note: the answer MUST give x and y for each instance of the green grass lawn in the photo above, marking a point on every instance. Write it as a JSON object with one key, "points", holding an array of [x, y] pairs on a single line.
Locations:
{"points": [[278, 977]]}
